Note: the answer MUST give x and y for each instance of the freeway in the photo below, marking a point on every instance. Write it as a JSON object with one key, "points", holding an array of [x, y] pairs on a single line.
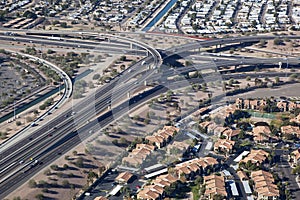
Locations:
{"points": [[96, 46], [30, 149], [224, 63], [104, 119], [66, 142], [64, 139], [223, 41], [66, 95]]}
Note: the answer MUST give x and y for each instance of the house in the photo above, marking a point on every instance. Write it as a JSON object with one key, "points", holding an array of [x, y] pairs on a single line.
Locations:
{"points": [[162, 137], [165, 180], [132, 161], [180, 147], [294, 157], [282, 106], [256, 157], [148, 194], [263, 134], [184, 171], [239, 103], [231, 134], [124, 177], [290, 130], [296, 119], [214, 185], [293, 105], [145, 146], [224, 146], [250, 104], [264, 185], [211, 128], [220, 130], [138, 155], [157, 140], [156, 190], [199, 112], [242, 175], [206, 125], [194, 167], [101, 198]]}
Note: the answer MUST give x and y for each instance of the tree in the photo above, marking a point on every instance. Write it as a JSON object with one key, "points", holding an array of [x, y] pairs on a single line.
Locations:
{"points": [[32, 183], [67, 157], [96, 76], [47, 172], [63, 25], [75, 153], [18, 123], [147, 121], [122, 67], [123, 58], [293, 77], [136, 117], [277, 79], [231, 81], [36, 112], [54, 167], [29, 14], [50, 51], [39, 196], [42, 184], [199, 180], [241, 134], [65, 183], [296, 170], [92, 175], [278, 41], [29, 119], [218, 197], [2, 15], [79, 162], [262, 43]]}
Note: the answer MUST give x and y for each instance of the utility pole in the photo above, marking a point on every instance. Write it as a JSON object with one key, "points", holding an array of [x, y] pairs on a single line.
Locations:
{"points": [[14, 110]]}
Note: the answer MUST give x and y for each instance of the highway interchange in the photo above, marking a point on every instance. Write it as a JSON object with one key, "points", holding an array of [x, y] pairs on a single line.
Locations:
{"points": [[68, 129]]}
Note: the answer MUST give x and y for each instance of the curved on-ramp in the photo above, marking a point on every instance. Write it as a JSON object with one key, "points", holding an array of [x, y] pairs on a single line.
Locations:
{"points": [[67, 94]]}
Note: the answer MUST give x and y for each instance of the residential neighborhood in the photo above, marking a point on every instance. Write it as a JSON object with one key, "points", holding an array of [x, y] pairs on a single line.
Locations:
{"points": [[149, 100]]}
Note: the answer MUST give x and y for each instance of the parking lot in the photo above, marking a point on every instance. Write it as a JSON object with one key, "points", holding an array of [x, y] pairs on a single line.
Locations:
{"points": [[106, 185]]}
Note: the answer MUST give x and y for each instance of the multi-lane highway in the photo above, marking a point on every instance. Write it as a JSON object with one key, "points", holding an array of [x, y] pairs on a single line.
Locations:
{"points": [[18, 162], [16, 159]]}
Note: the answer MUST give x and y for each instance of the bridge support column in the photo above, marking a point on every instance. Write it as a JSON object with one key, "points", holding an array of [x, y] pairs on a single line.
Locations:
{"points": [[130, 45], [145, 83], [280, 65], [109, 107], [128, 95]]}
